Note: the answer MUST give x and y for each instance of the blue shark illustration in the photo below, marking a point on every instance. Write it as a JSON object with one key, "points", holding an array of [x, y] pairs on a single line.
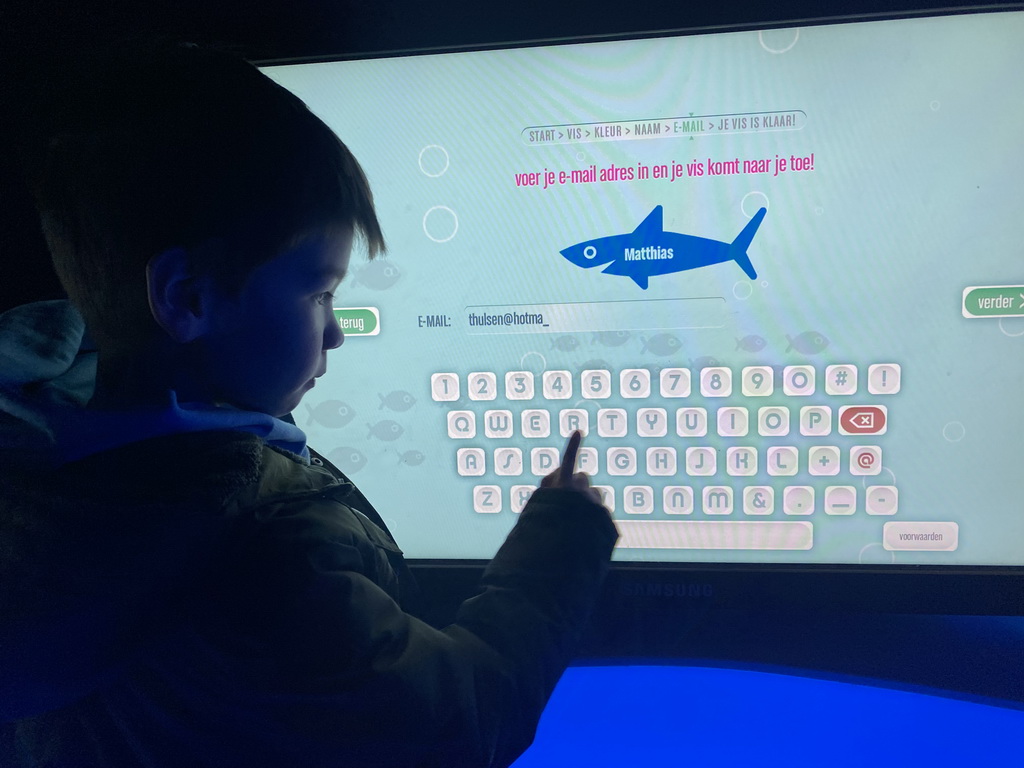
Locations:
{"points": [[650, 250]]}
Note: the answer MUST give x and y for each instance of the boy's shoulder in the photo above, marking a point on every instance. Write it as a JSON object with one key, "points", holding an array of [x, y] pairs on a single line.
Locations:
{"points": [[206, 467], [227, 472], [237, 476], [212, 473], [244, 498]]}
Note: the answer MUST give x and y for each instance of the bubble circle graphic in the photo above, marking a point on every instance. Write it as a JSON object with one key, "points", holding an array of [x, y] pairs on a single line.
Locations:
{"points": [[866, 480], [760, 201], [954, 431], [590, 252], [580, 156], [1014, 322], [819, 210], [441, 219], [778, 33], [935, 106], [764, 283], [526, 366], [433, 160], [876, 553], [742, 290]]}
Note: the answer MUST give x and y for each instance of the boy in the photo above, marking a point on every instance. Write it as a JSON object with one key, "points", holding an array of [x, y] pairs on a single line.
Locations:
{"points": [[178, 584]]}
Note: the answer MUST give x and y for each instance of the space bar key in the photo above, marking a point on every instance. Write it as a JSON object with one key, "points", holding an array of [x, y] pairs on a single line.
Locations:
{"points": [[715, 534]]}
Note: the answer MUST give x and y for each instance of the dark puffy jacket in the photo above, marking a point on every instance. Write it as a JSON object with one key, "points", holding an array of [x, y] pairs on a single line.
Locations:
{"points": [[206, 600]]}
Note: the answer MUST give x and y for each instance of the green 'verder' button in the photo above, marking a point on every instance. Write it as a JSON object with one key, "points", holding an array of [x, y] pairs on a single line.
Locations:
{"points": [[994, 301], [358, 321]]}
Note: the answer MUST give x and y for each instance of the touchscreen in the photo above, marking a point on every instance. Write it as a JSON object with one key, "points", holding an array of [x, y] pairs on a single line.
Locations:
{"points": [[775, 277]]}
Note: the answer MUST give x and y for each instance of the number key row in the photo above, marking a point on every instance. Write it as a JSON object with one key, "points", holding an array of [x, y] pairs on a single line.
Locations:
{"points": [[637, 383]]}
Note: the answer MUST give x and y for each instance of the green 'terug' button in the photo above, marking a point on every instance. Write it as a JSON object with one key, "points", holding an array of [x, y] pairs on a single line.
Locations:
{"points": [[358, 321], [994, 301]]}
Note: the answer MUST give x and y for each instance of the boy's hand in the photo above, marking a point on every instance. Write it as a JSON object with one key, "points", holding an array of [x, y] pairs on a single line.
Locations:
{"points": [[566, 475]]}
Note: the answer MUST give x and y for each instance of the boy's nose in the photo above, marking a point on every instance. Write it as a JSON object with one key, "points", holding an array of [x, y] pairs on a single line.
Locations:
{"points": [[334, 337]]}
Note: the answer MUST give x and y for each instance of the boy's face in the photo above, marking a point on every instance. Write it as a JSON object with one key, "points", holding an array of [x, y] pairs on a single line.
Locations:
{"points": [[265, 346]]}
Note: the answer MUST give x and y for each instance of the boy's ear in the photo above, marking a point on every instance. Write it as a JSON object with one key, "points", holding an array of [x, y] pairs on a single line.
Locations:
{"points": [[178, 297]]}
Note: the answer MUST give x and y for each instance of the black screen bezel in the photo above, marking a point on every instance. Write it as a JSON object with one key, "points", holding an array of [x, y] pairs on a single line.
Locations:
{"points": [[657, 589]]}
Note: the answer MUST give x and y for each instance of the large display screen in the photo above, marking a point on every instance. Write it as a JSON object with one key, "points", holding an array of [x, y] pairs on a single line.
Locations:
{"points": [[776, 277]]}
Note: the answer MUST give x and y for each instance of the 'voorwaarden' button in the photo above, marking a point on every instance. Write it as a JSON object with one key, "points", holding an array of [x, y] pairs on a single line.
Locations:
{"points": [[994, 301], [358, 321], [934, 537]]}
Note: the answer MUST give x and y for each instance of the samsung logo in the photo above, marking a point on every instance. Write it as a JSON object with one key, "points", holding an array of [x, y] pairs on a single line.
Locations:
{"points": [[667, 589]]}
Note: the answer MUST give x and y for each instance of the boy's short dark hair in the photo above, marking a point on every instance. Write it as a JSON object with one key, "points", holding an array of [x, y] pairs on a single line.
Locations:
{"points": [[177, 146]]}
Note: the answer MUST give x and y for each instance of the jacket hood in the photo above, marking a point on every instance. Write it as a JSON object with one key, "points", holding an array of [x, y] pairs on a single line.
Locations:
{"points": [[47, 376], [97, 557], [101, 538], [47, 365]]}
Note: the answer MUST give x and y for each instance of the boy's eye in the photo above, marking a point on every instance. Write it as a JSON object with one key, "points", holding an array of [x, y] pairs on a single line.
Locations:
{"points": [[325, 298]]}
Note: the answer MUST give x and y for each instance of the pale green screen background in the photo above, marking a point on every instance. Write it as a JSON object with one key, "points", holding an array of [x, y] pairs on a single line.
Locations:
{"points": [[916, 130]]}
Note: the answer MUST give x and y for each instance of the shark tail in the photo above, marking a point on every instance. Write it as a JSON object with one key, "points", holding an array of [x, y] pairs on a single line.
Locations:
{"points": [[739, 246]]}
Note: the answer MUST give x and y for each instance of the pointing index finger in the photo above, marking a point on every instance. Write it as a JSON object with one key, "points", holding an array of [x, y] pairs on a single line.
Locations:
{"points": [[568, 466]]}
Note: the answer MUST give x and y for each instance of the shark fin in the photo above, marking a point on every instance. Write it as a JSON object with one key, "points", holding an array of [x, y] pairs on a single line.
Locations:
{"points": [[623, 268], [738, 248], [653, 222]]}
